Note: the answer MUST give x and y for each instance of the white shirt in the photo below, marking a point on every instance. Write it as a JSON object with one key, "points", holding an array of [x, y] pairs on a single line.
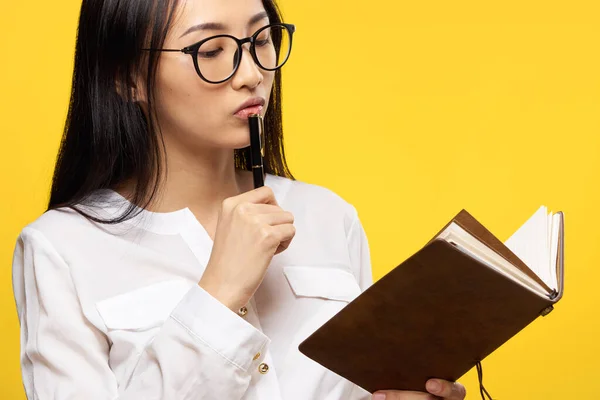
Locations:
{"points": [[115, 312]]}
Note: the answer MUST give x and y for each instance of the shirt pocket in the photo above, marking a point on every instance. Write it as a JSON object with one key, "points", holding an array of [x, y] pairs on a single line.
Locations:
{"points": [[134, 318], [322, 282], [321, 292], [143, 308]]}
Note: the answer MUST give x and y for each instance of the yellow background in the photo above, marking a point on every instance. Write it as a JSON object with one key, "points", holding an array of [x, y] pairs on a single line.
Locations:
{"points": [[410, 110]]}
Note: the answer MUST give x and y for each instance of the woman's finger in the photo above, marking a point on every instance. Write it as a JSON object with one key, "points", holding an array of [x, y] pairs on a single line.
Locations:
{"points": [[262, 208], [402, 395], [282, 217], [446, 390]]}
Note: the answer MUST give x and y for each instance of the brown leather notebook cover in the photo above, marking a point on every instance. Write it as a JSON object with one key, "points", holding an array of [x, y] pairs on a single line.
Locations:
{"points": [[435, 315]]}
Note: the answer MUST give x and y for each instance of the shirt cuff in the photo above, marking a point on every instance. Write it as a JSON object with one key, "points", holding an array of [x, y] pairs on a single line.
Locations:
{"points": [[220, 328]]}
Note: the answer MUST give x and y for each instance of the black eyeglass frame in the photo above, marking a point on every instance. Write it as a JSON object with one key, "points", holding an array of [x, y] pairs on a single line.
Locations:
{"points": [[193, 50]]}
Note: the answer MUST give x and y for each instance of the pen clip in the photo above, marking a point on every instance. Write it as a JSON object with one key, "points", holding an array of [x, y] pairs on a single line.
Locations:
{"points": [[257, 139], [262, 138], [257, 148]]}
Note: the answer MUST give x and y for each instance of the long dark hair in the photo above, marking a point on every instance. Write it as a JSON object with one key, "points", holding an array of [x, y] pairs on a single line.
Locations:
{"points": [[107, 138]]}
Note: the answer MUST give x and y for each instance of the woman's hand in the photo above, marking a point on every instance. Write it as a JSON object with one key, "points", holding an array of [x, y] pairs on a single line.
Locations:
{"points": [[251, 229], [437, 388]]}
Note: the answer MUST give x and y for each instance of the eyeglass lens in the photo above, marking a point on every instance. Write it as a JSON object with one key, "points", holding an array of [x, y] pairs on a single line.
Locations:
{"points": [[218, 57]]}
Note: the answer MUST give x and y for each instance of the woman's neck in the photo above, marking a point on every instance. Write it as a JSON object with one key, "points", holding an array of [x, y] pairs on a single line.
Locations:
{"points": [[201, 188], [200, 183]]}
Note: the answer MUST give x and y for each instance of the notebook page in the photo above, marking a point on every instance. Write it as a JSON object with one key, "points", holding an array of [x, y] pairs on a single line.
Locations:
{"points": [[556, 221], [531, 244], [469, 244]]}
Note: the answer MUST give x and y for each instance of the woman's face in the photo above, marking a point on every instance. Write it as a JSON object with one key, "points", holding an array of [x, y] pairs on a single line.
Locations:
{"points": [[192, 112]]}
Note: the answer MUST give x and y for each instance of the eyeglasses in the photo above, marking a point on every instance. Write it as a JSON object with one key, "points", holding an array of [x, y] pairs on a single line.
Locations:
{"points": [[217, 58]]}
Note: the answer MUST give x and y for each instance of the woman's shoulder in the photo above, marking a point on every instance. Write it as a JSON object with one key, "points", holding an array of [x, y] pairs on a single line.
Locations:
{"points": [[64, 224], [63, 218], [56, 223], [317, 198]]}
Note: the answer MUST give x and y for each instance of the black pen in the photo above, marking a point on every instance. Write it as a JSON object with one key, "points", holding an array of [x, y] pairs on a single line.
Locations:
{"points": [[257, 149]]}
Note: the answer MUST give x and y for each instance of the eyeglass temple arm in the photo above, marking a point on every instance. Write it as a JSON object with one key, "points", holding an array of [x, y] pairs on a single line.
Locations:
{"points": [[170, 50]]}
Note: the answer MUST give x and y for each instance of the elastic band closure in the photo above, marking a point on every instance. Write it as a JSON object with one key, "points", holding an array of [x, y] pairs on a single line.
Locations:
{"points": [[484, 393]]}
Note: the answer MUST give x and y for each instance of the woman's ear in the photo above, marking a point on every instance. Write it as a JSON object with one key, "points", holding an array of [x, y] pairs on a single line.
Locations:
{"points": [[132, 91], [139, 91]]}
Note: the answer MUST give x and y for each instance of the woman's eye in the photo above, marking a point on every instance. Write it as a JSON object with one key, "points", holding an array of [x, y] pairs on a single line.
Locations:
{"points": [[261, 43], [209, 54]]}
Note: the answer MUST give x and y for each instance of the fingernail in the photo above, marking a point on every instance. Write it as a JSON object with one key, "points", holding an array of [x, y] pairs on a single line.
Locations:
{"points": [[379, 396], [433, 386]]}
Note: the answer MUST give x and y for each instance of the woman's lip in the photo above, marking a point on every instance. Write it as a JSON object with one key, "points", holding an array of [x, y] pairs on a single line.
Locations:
{"points": [[246, 112]]}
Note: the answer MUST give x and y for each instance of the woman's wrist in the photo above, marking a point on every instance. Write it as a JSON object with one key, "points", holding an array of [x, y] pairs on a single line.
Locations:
{"points": [[223, 294]]}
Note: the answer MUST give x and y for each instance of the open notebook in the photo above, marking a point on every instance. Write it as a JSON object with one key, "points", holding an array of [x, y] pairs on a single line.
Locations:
{"points": [[532, 259], [447, 307]]}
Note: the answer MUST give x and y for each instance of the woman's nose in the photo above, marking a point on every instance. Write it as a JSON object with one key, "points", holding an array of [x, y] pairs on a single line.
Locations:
{"points": [[248, 73]]}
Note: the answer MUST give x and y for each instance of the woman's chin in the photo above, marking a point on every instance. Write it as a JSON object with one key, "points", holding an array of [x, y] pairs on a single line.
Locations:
{"points": [[241, 138], [231, 138]]}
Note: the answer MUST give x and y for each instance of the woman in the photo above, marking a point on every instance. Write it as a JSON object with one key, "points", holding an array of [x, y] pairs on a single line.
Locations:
{"points": [[158, 271]]}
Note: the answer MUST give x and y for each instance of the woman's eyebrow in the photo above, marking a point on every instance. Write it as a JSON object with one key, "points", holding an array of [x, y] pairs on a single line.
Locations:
{"points": [[217, 26]]}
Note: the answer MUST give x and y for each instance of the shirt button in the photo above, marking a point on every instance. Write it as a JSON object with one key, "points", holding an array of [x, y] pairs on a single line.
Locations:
{"points": [[243, 311], [263, 368]]}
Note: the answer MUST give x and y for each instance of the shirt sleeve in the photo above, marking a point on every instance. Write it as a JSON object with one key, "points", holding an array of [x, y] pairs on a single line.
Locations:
{"points": [[360, 258], [64, 356], [360, 255]]}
